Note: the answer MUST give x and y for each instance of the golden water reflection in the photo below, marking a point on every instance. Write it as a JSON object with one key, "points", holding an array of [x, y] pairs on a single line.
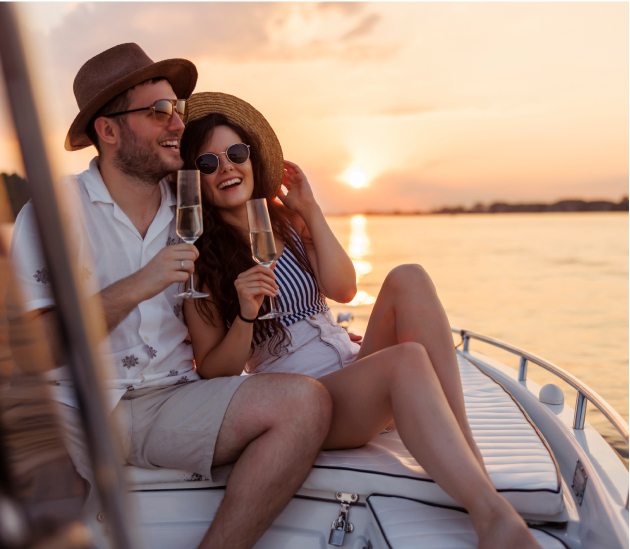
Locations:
{"points": [[359, 247]]}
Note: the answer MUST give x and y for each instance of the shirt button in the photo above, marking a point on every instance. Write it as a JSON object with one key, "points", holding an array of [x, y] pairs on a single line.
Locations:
{"points": [[146, 338], [312, 317]]}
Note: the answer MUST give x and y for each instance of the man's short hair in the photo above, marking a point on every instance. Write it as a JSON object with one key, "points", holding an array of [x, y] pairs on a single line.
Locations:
{"points": [[120, 103]]}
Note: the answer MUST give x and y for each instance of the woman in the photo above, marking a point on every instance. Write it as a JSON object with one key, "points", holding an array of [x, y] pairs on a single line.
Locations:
{"points": [[405, 370]]}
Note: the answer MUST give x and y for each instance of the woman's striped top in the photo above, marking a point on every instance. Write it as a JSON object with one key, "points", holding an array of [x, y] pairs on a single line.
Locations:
{"points": [[299, 293]]}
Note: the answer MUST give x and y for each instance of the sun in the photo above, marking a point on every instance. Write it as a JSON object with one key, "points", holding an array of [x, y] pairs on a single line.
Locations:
{"points": [[357, 179]]}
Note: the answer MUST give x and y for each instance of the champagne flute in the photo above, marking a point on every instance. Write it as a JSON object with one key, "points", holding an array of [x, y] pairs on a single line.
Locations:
{"points": [[189, 220], [263, 244]]}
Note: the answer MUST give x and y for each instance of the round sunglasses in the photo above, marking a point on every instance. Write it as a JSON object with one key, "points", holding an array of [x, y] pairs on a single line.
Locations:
{"points": [[208, 163], [162, 110]]}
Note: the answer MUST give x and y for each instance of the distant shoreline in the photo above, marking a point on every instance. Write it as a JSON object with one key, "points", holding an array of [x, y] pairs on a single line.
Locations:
{"points": [[17, 192], [562, 206]]}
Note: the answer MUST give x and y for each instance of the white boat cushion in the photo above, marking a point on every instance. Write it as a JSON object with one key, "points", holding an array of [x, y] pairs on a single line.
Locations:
{"points": [[516, 456], [515, 453], [408, 524]]}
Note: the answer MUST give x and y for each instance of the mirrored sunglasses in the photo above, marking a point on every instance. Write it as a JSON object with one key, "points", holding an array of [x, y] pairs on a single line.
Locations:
{"points": [[162, 110]]}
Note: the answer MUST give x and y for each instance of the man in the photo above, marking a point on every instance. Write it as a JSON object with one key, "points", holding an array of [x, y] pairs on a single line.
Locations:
{"points": [[271, 425]]}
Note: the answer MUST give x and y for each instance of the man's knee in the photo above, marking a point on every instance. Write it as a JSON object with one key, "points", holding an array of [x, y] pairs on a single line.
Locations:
{"points": [[284, 401], [307, 407]]}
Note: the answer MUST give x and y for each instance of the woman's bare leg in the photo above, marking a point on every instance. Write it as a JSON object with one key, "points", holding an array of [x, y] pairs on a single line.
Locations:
{"points": [[400, 382], [409, 309]]}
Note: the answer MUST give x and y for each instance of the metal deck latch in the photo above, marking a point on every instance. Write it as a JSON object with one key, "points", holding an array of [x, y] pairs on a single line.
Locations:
{"points": [[579, 482], [342, 524]]}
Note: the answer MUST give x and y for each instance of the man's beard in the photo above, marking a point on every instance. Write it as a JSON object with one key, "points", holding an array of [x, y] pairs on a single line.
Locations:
{"points": [[140, 160]]}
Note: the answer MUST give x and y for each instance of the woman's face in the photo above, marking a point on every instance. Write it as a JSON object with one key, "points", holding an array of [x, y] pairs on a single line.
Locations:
{"points": [[231, 185]]}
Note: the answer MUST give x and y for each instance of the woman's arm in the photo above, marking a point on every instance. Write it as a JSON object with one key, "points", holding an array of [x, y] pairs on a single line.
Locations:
{"points": [[220, 352], [333, 268]]}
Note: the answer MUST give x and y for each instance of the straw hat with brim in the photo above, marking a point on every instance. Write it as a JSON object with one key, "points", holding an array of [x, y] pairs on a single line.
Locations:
{"points": [[114, 71], [242, 114]]}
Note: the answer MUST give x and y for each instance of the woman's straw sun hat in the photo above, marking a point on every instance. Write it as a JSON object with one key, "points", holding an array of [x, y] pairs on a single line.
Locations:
{"points": [[242, 114]]}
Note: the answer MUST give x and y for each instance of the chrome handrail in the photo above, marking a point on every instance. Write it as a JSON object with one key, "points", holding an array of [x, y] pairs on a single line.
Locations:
{"points": [[584, 393]]}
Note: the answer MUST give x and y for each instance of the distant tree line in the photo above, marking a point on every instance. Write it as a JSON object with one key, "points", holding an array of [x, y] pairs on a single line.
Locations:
{"points": [[561, 206], [18, 194], [17, 191]]}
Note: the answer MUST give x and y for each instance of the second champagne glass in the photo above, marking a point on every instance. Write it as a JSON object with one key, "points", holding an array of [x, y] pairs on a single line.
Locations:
{"points": [[263, 244], [189, 216]]}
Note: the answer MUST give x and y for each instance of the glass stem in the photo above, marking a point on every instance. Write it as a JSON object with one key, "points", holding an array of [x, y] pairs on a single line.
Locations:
{"points": [[190, 287], [272, 307]]}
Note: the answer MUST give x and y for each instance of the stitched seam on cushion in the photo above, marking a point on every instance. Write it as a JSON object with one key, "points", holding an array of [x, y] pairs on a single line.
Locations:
{"points": [[365, 471], [378, 522], [460, 509]]}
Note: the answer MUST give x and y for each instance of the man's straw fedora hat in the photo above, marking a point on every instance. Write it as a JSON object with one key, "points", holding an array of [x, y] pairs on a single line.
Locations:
{"points": [[242, 114], [114, 71]]}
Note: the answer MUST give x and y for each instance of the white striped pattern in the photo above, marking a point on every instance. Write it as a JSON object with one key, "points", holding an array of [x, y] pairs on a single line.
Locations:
{"points": [[299, 293]]}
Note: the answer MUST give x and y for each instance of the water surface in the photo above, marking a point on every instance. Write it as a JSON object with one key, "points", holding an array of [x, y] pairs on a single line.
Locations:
{"points": [[553, 284]]}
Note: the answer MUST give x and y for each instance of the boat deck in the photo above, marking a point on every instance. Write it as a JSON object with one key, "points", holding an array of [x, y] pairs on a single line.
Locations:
{"points": [[397, 498]]}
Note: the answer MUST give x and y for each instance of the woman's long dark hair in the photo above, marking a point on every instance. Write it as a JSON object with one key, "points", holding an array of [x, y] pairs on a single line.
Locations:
{"points": [[224, 251]]}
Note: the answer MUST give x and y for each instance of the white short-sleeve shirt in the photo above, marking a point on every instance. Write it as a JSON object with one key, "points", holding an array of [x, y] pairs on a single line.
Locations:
{"points": [[148, 348]]}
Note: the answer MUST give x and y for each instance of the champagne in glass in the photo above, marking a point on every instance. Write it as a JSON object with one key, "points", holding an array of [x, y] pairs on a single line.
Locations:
{"points": [[189, 220], [263, 244], [263, 247], [189, 223]]}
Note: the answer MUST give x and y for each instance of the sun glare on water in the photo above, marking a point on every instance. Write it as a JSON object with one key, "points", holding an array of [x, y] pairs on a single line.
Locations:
{"points": [[357, 179]]}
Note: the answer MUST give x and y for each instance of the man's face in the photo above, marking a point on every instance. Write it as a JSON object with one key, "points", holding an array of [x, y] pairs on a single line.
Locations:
{"points": [[146, 150]]}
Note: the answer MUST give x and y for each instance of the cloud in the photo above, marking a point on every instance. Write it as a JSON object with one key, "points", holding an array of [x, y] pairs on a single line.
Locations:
{"points": [[346, 8], [365, 27]]}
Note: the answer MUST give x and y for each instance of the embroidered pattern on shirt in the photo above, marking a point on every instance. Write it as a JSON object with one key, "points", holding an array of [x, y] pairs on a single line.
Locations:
{"points": [[170, 241], [85, 273], [152, 352], [195, 477], [183, 379], [177, 308], [172, 373], [42, 276], [129, 361]]}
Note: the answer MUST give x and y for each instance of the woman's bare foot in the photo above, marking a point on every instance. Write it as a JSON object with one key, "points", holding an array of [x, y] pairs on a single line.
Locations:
{"points": [[503, 527]]}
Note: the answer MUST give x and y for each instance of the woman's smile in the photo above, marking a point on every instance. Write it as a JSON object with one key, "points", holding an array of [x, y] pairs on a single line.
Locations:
{"points": [[231, 185]]}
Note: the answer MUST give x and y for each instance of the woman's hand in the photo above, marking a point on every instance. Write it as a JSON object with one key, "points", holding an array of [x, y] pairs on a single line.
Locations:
{"points": [[299, 195], [252, 286]]}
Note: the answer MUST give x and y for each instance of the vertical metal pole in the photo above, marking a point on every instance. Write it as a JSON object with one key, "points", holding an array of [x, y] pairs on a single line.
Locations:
{"points": [[466, 343], [522, 369], [74, 323], [580, 411]]}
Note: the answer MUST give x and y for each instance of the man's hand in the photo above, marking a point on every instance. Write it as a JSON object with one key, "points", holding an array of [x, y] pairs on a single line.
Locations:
{"points": [[171, 265], [355, 337]]}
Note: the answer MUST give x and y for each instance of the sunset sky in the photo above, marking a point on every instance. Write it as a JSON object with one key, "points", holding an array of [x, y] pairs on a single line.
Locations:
{"points": [[434, 103]]}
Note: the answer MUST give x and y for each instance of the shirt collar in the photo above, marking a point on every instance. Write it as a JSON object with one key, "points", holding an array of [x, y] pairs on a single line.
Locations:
{"points": [[168, 197], [96, 188], [98, 192]]}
